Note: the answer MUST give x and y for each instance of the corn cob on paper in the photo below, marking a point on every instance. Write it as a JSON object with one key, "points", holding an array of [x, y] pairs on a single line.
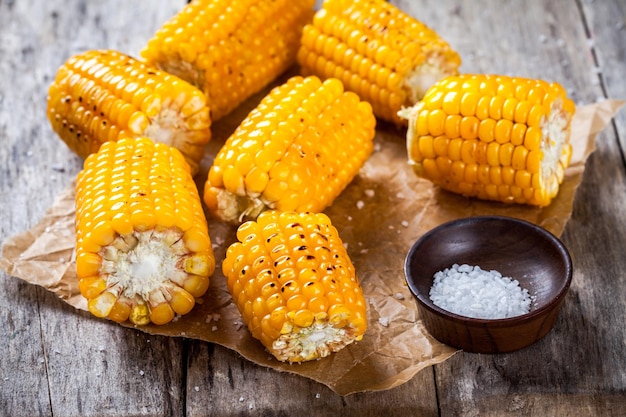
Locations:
{"points": [[379, 215]]}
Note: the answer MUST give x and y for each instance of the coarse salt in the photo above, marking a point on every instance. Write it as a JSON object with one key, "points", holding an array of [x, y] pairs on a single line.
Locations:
{"points": [[473, 292]]}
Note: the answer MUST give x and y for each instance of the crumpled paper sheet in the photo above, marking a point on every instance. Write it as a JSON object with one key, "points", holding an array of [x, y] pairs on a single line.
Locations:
{"points": [[379, 216]]}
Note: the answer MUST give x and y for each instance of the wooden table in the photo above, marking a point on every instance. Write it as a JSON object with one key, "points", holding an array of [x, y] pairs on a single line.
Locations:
{"points": [[57, 361]]}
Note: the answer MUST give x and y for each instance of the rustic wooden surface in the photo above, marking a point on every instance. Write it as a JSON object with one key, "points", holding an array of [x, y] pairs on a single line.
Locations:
{"points": [[55, 361]]}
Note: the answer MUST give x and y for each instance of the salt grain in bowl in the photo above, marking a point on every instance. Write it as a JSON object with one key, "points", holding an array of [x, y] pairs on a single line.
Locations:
{"points": [[473, 292]]}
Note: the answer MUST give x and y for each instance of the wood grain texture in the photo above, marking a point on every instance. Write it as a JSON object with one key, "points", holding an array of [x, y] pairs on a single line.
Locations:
{"points": [[55, 361], [58, 361], [606, 24]]}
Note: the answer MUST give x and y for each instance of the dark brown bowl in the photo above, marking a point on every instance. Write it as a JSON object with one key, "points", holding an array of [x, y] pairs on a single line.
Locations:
{"points": [[517, 249]]}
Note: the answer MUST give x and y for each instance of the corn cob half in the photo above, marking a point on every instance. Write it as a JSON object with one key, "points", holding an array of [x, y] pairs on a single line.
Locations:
{"points": [[386, 56], [230, 49], [296, 151], [103, 95], [492, 137], [295, 286], [143, 251]]}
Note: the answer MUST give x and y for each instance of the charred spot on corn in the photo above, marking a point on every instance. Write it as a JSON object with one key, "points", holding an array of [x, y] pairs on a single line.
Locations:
{"points": [[298, 312], [492, 137], [143, 251]]}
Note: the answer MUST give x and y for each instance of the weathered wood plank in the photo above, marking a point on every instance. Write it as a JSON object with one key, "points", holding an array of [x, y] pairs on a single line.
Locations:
{"points": [[219, 379], [606, 23], [59, 362]]}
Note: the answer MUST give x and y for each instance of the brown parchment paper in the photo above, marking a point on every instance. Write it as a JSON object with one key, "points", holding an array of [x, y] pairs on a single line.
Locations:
{"points": [[381, 213]]}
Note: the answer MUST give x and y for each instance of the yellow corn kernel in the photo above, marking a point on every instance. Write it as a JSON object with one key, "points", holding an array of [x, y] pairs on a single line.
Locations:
{"points": [[291, 310], [384, 55], [307, 140], [125, 275], [103, 95], [230, 49], [492, 137]]}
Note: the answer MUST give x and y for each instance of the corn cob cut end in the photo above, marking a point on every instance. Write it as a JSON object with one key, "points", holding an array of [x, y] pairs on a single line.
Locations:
{"points": [[492, 137], [232, 208], [295, 286], [143, 250], [316, 341], [147, 277]]}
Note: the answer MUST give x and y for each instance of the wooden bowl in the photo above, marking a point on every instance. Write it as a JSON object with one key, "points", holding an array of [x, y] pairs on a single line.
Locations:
{"points": [[517, 249]]}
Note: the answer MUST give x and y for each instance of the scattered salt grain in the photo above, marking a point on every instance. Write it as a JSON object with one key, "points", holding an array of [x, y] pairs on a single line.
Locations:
{"points": [[214, 328], [473, 292], [196, 388], [142, 373], [58, 167], [212, 317], [399, 296], [360, 204], [241, 399], [404, 223], [318, 395], [369, 193], [384, 321]]}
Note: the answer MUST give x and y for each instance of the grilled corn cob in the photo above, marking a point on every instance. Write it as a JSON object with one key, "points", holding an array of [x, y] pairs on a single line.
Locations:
{"points": [[143, 251], [104, 95], [492, 137], [230, 49], [296, 151], [295, 286], [387, 57]]}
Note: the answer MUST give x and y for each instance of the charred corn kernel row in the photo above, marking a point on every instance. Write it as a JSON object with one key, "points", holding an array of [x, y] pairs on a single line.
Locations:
{"points": [[296, 151], [492, 137], [230, 49], [143, 251], [389, 58], [103, 95], [295, 285]]}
